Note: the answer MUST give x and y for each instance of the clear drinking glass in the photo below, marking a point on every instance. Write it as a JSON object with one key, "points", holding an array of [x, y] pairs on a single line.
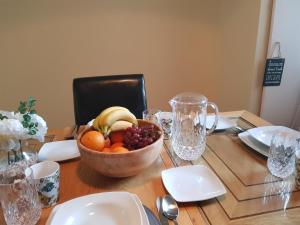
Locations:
{"points": [[18, 195], [281, 160], [297, 161], [151, 115]]}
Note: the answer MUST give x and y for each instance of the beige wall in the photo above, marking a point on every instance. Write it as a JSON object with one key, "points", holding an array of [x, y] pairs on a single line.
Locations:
{"points": [[244, 27], [207, 46]]}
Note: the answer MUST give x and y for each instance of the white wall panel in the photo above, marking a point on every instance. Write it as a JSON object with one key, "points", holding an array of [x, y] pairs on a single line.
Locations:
{"points": [[281, 103]]}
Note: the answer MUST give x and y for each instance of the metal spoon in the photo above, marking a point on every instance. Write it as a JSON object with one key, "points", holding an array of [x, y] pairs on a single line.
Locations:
{"points": [[170, 208]]}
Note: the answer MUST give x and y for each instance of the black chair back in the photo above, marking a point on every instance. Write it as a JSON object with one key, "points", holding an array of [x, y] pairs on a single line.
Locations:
{"points": [[94, 94]]}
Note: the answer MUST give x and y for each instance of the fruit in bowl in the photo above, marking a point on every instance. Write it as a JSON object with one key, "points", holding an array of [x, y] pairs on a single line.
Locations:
{"points": [[120, 149]]}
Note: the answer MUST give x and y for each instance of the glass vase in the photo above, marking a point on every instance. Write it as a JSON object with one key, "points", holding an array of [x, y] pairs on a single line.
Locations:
{"points": [[26, 154]]}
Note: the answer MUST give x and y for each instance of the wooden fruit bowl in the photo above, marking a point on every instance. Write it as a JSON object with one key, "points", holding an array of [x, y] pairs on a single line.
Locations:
{"points": [[121, 164]]}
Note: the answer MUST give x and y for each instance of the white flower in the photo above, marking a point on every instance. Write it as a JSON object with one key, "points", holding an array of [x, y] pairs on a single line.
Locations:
{"points": [[12, 130], [9, 115], [41, 128]]}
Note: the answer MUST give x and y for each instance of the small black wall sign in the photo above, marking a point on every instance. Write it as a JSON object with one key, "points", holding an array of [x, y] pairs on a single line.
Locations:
{"points": [[273, 71]]}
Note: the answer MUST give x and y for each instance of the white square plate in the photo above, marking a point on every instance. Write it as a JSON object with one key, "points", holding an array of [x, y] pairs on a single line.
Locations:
{"points": [[109, 208], [59, 151], [253, 143], [223, 122], [265, 134], [192, 183]]}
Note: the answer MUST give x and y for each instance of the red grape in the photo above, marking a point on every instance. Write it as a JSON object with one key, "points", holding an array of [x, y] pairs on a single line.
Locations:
{"points": [[139, 137]]}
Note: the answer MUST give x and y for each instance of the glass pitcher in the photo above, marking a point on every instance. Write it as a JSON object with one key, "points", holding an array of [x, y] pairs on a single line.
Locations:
{"points": [[188, 135]]}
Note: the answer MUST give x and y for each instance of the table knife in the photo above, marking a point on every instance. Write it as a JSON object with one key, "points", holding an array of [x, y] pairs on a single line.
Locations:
{"points": [[162, 218]]}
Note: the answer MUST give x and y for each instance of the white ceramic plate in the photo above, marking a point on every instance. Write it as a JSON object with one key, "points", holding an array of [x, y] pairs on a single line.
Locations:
{"points": [[144, 216], [192, 183], [264, 134], [90, 123], [253, 143], [59, 151], [109, 208], [223, 122]]}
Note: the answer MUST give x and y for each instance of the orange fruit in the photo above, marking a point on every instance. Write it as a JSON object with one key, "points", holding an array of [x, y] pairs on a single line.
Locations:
{"points": [[93, 140], [106, 150], [119, 149], [117, 136], [117, 144]]}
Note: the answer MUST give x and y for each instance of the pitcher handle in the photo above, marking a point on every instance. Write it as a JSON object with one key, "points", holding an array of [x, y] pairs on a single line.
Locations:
{"points": [[216, 112]]}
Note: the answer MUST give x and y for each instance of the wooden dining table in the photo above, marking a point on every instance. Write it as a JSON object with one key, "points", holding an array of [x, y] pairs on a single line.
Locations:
{"points": [[253, 196]]}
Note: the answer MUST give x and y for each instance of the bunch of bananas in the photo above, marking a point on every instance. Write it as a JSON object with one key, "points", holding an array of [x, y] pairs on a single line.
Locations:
{"points": [[114, 118]]}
